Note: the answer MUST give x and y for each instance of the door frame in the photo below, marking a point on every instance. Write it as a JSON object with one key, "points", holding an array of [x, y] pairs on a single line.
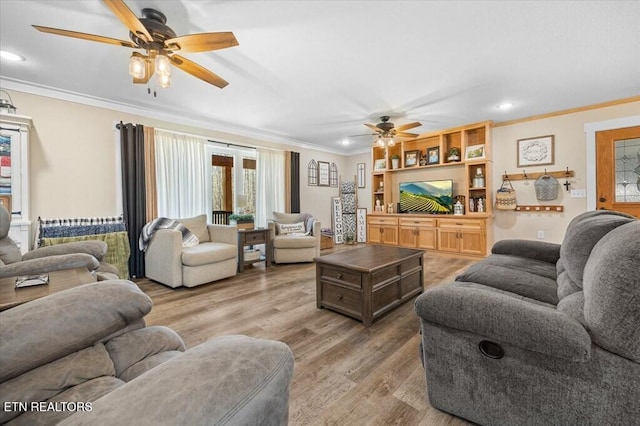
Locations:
{"points": [[590, 130]]}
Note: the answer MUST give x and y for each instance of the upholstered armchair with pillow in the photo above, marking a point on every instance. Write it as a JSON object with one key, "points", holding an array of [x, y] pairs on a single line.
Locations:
{"points": [[212, 258], [295, 237]]}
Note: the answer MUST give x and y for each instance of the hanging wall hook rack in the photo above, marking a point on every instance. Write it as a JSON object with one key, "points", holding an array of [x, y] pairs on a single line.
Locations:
{"points": [[534, 175]]}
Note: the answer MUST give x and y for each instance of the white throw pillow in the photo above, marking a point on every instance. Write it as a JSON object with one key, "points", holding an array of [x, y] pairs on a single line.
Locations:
{"points": [[290, 228]]}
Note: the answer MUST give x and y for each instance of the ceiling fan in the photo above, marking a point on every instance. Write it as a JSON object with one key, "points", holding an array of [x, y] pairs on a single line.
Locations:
{"points": [[160, 43], [386, 131]]}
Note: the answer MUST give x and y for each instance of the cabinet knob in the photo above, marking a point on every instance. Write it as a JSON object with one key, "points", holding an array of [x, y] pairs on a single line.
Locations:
{"points": [[339, 297], [339, 276]]}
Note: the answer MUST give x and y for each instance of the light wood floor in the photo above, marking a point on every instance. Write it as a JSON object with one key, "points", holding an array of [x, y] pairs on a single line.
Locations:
{"points": [[345, 373]]}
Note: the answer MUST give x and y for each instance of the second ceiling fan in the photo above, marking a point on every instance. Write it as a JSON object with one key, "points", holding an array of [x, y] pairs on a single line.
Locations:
{"points": [[160, 42], [386, 131]]}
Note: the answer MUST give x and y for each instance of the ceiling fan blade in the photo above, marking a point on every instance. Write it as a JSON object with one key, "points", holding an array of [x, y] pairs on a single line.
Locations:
{"points": [[202, 42], [408, 126], [197, 71], [406, 135], [373, 127], [85, 36], [122, 11]]}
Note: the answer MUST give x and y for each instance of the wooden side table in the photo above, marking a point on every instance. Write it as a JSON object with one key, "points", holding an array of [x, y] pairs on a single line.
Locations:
{"points": [[11, 296], [249, 237]]}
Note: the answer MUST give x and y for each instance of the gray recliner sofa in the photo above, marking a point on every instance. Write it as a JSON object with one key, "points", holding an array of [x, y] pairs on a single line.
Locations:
{"points": [[85, 356], [541, 333]]}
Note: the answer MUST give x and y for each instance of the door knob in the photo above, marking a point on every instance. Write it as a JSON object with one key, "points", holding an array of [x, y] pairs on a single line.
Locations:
{"points": [[602, 200]]}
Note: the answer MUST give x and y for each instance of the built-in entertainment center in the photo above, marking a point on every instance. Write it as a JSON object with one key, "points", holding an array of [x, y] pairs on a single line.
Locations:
{"points": [[440, 199]]}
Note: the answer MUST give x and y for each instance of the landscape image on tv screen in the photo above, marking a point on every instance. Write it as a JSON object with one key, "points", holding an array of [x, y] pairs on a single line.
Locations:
{"points": [[434, 196]]}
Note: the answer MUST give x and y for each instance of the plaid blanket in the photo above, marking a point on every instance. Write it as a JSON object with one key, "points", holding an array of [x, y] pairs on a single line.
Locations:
{"points": [[149, 229]]}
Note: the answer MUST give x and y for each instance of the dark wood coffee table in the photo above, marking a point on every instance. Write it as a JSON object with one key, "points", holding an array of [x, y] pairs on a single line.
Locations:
{"points": [[11, 296], [367, 282]]}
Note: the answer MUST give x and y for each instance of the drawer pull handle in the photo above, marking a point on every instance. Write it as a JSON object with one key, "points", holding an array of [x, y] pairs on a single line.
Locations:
{"points": [[339, 276], [339, 297]]}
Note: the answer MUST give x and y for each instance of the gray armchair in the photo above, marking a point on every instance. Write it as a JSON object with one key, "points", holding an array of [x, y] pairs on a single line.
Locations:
{"points": [[85, 254], [88, 349], [498, 349]]}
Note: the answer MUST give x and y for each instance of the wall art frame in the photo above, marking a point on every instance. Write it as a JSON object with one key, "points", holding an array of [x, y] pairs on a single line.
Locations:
{"points": [[537, 151], [360, 175], [474, 152], [323, 173], [433, 155], [411, 158]]}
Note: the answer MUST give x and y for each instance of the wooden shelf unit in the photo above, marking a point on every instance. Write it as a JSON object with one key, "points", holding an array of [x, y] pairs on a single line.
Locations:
{"points": [[432, 231]]}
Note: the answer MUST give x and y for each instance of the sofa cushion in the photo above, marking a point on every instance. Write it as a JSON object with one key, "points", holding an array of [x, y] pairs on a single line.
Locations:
{"points": [[294, 241], [47, 381], [524, 264], [198, 227], [56, 328], [207, 253], [612, 292], [514, 280], [580, 239]]}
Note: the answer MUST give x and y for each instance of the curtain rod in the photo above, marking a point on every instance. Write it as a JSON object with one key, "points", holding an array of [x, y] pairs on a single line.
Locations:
{"points": [[228, 144]]}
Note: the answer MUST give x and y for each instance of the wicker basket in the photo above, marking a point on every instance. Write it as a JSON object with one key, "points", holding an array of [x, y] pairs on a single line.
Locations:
{"points": [[546, 188]]}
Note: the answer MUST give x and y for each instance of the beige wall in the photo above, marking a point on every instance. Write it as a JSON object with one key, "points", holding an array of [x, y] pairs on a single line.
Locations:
{"points": [[73, 162], [570, 151]]}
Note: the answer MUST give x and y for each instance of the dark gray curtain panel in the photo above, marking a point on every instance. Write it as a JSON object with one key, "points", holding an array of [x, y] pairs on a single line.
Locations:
{"points": [[295, 182], [133, 190]]}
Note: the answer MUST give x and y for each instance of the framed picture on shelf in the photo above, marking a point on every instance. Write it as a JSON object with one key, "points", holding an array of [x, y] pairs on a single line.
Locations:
{"points": [[536, 151], [411, 158], [360, 175], [433, 155], [323, 173], [474, 152], [380, 164]]}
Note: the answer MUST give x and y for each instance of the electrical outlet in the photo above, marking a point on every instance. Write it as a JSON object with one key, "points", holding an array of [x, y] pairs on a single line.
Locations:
{"points": [[578, 193], [541, 235]]}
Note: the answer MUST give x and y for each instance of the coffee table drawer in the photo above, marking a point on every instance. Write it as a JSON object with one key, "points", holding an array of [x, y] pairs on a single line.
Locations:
{"points": [[341, 275], [341, 298]]}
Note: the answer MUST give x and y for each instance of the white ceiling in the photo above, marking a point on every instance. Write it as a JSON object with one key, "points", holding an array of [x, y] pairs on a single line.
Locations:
{"points": [[313, 72]]}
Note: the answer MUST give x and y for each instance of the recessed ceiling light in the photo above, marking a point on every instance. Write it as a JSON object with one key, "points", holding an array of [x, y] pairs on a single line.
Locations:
{"points": [[505, 105], [10, 56], [346, 142]]}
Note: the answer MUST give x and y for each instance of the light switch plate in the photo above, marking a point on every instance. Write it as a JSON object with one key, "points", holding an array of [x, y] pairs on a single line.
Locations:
{"points": [[578, 193]]}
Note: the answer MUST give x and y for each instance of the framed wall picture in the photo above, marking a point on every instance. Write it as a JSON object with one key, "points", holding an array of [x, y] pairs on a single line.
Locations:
{"points": [[411, 158], [474, 152], [380, 164], [323, 173], [536, 151], [361, 225], [360, 174], [433, 155]]}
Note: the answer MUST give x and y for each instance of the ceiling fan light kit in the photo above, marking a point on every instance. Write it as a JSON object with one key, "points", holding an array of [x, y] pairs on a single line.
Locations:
{"points": [[160, 43]]}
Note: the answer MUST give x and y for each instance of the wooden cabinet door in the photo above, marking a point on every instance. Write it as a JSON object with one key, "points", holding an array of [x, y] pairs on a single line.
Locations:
{"points": [[390, 235], [448, 240], [472, 242], [375, 234], [426, 238], [407, 236]]}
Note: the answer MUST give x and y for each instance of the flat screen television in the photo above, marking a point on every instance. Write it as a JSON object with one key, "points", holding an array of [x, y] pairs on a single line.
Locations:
{"points": [[431, 196]]}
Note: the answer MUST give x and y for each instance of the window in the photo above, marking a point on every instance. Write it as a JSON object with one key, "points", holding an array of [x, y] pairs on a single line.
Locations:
{"points": [[233, 188]]}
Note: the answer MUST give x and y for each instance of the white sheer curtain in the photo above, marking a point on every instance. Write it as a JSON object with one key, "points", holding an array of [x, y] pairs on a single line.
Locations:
{"points": [[270, 185], [181, 170]]}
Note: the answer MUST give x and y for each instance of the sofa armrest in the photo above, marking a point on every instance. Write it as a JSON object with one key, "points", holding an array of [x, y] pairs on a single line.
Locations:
{"points": [[488, 312], [49, 264], [95, 248], [163, 258], [539, 250], [226, 380], [223, 234]]}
